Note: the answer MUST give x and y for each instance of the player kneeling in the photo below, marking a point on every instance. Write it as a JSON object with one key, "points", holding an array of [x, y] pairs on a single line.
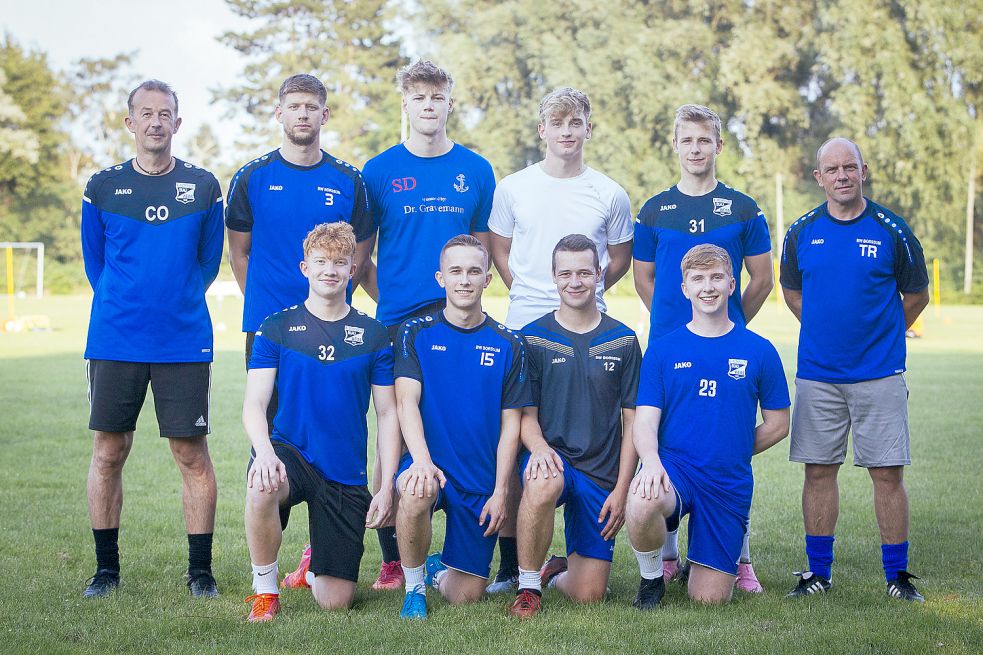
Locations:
{"points": [[695, 433], [583, 372], [460, 385], [325, 358]]}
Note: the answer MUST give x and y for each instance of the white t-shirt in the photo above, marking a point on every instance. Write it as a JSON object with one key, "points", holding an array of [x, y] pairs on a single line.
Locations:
{"points": [[536, 210]]}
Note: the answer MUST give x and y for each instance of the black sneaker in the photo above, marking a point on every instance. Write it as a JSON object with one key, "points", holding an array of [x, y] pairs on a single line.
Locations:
{"points": [[903, 589], [201, 584], [809, 584], [101, 584], [683, 576], [506, 581], [650, 593]]}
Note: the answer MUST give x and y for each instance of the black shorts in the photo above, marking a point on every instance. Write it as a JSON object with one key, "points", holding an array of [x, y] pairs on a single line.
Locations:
{"points": [[182, 395], [335, 513], [431, 308], [275, 398]]}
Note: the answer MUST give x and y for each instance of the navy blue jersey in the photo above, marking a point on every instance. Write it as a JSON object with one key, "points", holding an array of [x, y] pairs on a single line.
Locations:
{"points": [[580, 383], [468, 377], [671, 223], [850, 274], [709, 390], [418, 203], [151, 246], [279, 203], [325, 373]]}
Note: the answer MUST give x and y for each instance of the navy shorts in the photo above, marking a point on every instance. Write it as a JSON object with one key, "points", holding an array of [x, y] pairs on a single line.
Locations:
{"points": [[717, 522], [582, 500], [466, 548]]}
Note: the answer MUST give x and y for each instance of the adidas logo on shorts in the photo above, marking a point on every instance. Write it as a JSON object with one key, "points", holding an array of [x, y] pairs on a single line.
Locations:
{"points": [[200, 423]]}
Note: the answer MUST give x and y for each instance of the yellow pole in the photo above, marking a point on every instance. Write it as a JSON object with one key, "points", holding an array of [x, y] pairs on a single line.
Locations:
{"points": [[10, 283], [778, 287], [936, 292]]}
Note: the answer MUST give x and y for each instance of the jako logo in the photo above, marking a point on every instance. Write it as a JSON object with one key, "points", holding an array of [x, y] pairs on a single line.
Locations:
{"points": [[817, 242], [683, 365], [665, 208], [276, 187], [297, 328], [436, 347], [124, 192], [404, 184], [558, 360]]}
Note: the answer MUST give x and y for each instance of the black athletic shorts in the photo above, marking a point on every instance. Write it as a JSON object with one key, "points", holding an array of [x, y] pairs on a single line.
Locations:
{"points": [[182, 394], [336, 515], [275, 398], [432, 308]]}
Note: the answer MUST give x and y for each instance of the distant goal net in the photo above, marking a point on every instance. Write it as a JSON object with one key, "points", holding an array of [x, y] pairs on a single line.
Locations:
{"points": [[22, 268]]}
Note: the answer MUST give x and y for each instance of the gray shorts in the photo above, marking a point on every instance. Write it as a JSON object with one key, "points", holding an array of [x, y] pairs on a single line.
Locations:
{"points": [[876, 410]]}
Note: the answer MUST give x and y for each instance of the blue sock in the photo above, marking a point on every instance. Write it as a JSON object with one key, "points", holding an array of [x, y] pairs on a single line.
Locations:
{"points": [[894, 557], [819, 550]]}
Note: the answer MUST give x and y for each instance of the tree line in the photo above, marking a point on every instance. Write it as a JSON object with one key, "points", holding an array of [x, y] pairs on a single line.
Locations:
{"points": [[904, 79]]}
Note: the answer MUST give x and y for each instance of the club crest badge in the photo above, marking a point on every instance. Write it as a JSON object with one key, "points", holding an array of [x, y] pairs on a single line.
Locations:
{"points": [[185, 192], [737, 368], [721, 206], [354, 335], [460, 186]]}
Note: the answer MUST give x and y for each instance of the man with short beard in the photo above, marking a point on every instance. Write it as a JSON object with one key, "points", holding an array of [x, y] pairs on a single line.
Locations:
{"points": [[276, 199]]}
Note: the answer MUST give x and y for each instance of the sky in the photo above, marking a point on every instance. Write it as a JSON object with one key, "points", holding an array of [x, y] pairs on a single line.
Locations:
{"points": [[176, 41]]}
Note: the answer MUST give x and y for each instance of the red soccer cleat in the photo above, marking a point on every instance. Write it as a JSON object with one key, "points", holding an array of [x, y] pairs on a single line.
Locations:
{"points": [[298, 578], [526, 605], [390, 577], [265, 607]]}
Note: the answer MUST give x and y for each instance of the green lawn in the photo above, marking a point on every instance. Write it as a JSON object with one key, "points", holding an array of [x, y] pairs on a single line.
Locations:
{"points": [[46, 545]]}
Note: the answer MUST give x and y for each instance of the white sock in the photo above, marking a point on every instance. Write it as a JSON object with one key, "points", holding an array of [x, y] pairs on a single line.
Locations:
{"points": [[670, 549], [414, 579], [309, 579], [746, 547], [265, 578], [649, 564], [530, 580], [437, 577], [555, 579]]}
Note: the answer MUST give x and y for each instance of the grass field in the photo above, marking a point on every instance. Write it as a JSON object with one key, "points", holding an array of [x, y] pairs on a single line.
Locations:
{"points": [[46, 545]]}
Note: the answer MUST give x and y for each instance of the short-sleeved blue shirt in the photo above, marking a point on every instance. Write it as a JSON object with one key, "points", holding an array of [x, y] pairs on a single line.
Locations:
{"points": [[851, 274], [709, 390], [468, 377], [671, 223], [325, 373], [418, 204]]}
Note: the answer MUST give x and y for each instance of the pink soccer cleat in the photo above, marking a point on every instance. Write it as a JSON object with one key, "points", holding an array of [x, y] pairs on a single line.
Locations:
{"points": [[746, 579]]}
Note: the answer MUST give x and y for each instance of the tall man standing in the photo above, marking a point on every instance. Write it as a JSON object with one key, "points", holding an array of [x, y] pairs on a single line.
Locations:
{"points": [[536, 207], [699, 209], [854, 275], [276, 199], [423, 192], [583, 373], [152, 244]]}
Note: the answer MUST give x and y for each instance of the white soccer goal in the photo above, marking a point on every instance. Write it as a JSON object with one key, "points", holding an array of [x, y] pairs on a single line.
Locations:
{"points": [[15, 276]]}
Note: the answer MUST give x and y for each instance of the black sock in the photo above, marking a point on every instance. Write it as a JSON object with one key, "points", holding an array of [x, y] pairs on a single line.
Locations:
{"points": [[509, 556], [107, 548], [387, 542], [200, 552]]}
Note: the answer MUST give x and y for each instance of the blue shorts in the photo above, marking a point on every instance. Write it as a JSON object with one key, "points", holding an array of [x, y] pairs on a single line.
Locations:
{"points": [[466, 548], [582, 500], [717, 522]]}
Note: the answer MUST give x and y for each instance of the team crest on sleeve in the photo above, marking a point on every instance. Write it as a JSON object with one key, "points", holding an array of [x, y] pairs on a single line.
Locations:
{"points": [[185, 192], [737, 368], [721, 206], [354, 336]]}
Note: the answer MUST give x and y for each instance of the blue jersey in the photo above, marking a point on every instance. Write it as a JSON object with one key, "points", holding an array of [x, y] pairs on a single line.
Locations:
{"points": [[325, 371], [850, 274], [151, 246], [671, 223], [580, 383], [279, 203], [418, 203], [468, 377], [709, 390]]}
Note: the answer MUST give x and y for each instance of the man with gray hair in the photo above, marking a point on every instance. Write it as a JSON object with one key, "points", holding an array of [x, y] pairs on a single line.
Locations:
{"points": [[699, 209], [536, 207], [152, 244], [854, 275]]}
